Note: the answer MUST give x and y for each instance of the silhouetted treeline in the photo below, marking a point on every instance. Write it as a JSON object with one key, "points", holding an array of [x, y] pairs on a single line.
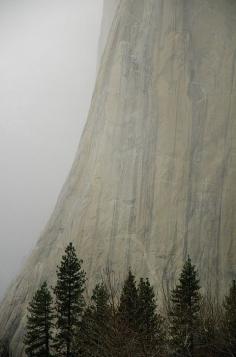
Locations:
{"points": [[4, 349], [128, 321]]}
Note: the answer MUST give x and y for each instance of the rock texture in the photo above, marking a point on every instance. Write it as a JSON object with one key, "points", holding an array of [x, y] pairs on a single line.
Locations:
{"points": [[154, 177], [109, 10]]}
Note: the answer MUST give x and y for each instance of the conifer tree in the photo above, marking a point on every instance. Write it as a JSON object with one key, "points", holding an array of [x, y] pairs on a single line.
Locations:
{"points": [[126, 339], [95, 330], [127, 310], [4, 348], [150, 324], [100, 305], [184, 313], [230, 319], [83, 343], [39, 324], [68, 291]]}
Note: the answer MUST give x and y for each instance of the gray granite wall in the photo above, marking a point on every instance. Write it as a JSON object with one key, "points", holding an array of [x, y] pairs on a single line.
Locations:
{"points": [[109, 10], [154, 177]]}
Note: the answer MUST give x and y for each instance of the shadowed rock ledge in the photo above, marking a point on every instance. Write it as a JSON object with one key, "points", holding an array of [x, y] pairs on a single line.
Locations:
{"points": [[154, 177]]}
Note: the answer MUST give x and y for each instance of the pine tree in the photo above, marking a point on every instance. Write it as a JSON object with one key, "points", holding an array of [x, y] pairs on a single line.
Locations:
{"points": [[101, 310], [4, 348], [39, 324], [95, 330], [150, 324], [127, 343], [83, 343], [184, 313], [127, 310], [68, 291], [230, 319]]}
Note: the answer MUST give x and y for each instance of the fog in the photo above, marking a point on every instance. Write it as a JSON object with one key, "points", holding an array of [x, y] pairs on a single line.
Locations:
{"points": [[48, 56]]}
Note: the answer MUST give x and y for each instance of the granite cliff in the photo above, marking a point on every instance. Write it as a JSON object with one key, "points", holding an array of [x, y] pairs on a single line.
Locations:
{"points": [[154, 176], [109, 10]]}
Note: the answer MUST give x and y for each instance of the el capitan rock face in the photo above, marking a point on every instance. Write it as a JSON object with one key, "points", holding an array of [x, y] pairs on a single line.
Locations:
{"points": [[109, 10], [154, 177]]}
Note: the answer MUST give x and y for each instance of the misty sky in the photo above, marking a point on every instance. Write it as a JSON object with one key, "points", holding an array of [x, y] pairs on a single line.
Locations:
{"points": [[48, 55]]}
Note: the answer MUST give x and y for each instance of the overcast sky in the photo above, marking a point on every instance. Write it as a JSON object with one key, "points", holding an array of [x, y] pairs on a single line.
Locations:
{"points": [[48, 55]]}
